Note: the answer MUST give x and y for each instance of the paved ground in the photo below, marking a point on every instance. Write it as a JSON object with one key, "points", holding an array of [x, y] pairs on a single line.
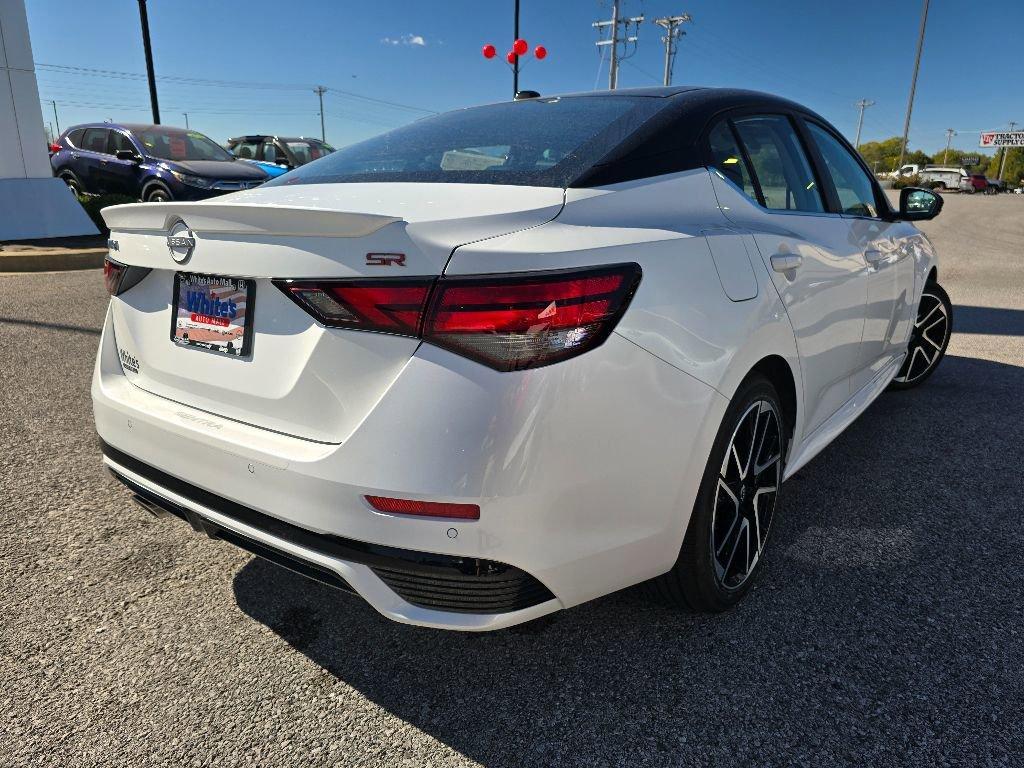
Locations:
{"points": [[886, 629]]}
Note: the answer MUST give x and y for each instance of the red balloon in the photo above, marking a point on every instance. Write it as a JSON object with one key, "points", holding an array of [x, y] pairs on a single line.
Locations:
{"points": [[489, 51], [520, 47], [540, 51], [510, 57]]}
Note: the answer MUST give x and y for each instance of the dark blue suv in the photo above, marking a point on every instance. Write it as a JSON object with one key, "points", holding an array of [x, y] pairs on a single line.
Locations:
{"points": [[154, 163]]}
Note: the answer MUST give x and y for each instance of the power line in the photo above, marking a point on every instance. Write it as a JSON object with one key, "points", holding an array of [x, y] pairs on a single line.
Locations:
{"points": [[207, 82]]}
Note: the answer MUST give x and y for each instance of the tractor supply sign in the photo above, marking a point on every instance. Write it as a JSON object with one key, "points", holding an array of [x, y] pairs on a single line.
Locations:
{"points": [[1002, 139]]}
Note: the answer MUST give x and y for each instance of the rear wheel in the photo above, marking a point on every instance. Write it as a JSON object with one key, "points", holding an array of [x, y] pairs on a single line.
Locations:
{"points": [[72, 181], [928, 339], [738, 496]]}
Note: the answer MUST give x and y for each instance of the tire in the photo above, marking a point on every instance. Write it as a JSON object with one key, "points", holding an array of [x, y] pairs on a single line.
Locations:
{"points": [[73, 183], [707, 576], [157, 193], [929, 338]]}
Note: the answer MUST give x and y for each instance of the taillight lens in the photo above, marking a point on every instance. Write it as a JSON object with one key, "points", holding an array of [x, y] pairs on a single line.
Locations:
{"points": [[424, 508], [120, 277], [513, 322], [113, 273], [384, 305], [55, 148], [509, 322]]}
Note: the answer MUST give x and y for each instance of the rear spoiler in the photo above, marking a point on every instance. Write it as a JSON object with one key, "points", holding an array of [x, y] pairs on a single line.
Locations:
{"points": [[243, 219]]}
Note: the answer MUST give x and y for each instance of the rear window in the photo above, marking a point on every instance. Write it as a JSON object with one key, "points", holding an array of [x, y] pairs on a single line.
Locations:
{"points": [[539, 142]]}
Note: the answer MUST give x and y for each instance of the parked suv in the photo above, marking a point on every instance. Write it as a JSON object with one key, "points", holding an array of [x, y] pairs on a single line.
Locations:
{"points": [[278, 154], [155, 163]]}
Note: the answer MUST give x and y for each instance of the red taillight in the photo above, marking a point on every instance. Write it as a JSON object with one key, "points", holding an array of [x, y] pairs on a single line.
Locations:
{"points": [[390, 306], [424, 508], [512, 322], [113, 273], [509, 322], [55, 148]]}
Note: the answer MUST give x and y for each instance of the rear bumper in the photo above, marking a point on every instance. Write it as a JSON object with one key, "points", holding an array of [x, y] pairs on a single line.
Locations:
{"points": [[585, 473]]}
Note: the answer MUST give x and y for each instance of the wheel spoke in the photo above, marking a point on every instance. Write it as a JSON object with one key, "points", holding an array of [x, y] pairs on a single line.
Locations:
{"points": [[921, 320]]}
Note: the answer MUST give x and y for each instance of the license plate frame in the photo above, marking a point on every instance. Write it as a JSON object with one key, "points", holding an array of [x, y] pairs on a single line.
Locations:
{"points": [[217, 330]]}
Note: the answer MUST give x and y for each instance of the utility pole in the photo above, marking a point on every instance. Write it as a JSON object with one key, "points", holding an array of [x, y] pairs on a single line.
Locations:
{"points": [[1002, 163], [186, 120], [673, 26], [55, 118], [613, 40], [913, 83], [950, 133], [863, 104], [320, 91], [144, 18]]}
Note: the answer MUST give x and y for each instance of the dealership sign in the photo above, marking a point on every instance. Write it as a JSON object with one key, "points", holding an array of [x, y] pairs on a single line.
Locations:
{"points": [[1002, 139]]}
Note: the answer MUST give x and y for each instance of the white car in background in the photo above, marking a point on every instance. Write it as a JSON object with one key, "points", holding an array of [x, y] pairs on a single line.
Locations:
{"points": [[475, 393]]}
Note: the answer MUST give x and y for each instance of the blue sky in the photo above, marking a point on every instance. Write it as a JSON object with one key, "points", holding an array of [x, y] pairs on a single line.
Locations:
{"points": [[426, 55]]}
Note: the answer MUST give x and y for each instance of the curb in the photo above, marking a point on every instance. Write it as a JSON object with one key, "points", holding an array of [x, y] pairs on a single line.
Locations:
{"points": [[89, 258]]}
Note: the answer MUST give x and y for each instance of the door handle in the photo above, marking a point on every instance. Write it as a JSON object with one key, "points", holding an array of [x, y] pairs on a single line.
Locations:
{"points": [[873, 258], [783, 262]]}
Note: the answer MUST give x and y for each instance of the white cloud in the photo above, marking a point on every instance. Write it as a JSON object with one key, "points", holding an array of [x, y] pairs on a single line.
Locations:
{"points": [[404, 40]]}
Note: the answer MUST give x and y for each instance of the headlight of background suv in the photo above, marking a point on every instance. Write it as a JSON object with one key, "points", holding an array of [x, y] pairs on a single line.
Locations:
{"points": [[192, 181]]}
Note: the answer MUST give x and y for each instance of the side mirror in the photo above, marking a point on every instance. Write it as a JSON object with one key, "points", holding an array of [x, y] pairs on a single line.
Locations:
{"points": [[128, 154], [918, 204]]}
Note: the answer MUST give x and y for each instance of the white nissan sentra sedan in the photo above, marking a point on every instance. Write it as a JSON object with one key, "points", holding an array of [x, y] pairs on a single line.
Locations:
{"points": [[515, 357]]}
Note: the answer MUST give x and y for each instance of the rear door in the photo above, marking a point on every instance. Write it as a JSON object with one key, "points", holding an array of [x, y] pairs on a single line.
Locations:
{"points": [[804, 247], [93, 154], [120, 176], [888, 264]]}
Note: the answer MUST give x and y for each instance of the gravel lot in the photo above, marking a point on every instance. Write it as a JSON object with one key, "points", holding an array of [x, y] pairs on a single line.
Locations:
{"points": [[886, 629]]}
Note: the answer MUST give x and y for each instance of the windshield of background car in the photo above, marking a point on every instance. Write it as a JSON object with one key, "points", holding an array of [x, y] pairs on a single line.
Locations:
{"points": [[308, 151], [535, 142], [180, 145]]}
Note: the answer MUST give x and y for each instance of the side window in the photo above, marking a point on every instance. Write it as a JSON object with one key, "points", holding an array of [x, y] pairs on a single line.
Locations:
{"points": [[119, 141], [779, 163], [75, 137], [246, 149], [95, 140], [270, 152], [727, 158], [856, 193]]}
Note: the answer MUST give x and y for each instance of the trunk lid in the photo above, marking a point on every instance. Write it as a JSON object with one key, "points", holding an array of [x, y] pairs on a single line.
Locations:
{"points": [[301, 378]]}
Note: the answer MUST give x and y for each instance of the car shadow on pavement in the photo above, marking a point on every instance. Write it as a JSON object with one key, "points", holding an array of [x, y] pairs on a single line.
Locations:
{"points": [[997, 321], [877, 629]]}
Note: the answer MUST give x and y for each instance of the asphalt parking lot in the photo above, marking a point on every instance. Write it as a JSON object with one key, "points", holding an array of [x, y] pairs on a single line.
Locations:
{"points": [[886, 628]]}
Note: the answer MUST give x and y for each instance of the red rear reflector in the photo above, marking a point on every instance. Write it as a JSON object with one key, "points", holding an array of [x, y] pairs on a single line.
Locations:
{"points": [[386, 305], [424, 508], [512, 322], [112, 276]]}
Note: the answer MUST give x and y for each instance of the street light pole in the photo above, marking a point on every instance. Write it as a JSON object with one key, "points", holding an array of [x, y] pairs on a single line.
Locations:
{"points": [[913, 83], [55, 118], [515, 60], [186, 120], [144, 18]]}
